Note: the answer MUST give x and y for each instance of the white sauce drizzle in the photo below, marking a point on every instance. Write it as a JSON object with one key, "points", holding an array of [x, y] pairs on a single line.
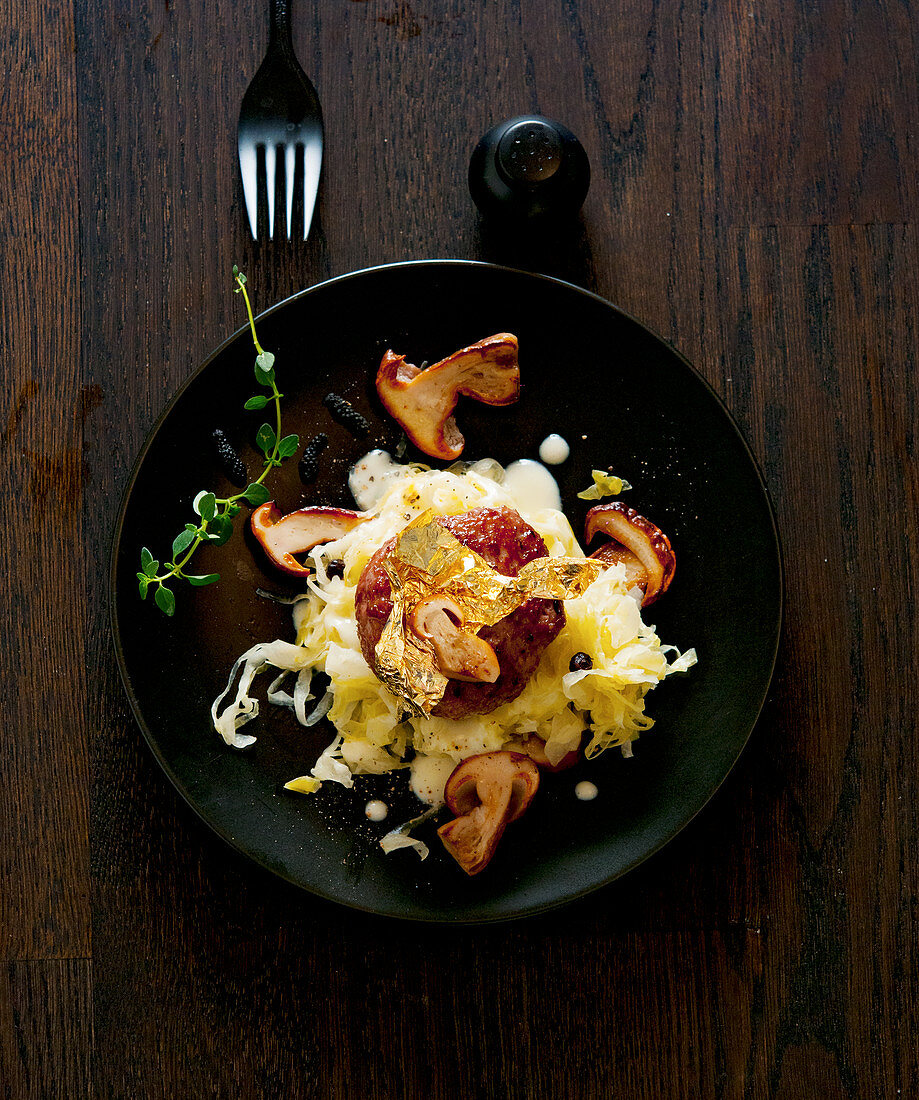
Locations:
{"points": [[532, 486], [371, 476], [429, 775], [586, 791], [376, 810], [554, 449]]}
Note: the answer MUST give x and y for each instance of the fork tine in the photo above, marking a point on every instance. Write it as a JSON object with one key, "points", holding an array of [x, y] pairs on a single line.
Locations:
{"points": [[290, 157], [271, 163], [248, 166], [312, 165]]}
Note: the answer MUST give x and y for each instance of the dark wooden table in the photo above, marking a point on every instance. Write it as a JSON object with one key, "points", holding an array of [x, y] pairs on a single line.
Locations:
{"points": [[754, 200]]}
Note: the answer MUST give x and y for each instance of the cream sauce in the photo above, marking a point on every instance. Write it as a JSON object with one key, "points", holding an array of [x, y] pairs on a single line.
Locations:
{"points": [[429, 775], [586, 791], [371, 476], [376, 810], [532, 486], [554, 449]]}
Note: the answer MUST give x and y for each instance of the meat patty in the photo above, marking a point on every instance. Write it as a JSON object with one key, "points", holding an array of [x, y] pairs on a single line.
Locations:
{"points": [[507, 543]]}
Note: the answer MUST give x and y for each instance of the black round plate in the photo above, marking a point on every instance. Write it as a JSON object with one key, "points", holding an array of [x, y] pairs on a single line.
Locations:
{"points": [[624, 399]]}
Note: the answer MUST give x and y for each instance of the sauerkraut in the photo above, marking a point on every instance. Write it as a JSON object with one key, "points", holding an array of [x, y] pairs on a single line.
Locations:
{"points": [[374, 734]]}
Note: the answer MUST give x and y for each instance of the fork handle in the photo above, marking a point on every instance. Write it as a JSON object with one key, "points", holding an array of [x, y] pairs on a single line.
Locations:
{"points": [[279, 32]]}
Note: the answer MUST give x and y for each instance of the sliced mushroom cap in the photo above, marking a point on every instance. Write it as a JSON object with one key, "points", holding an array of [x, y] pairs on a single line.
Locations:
{"points": [[423, 401], [298, 532], [614, 553], [535, 748], [641, 546], [460, 655], [487, 792]]}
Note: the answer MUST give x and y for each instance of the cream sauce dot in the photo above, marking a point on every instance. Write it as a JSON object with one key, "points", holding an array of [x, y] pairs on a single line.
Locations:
{"points": [[376, 810], [429, 775], [586, 791], [371, 476], [554, 449]]}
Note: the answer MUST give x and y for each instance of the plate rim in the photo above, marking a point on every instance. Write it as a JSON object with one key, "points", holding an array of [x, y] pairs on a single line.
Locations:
{"points": [[151, 740]]}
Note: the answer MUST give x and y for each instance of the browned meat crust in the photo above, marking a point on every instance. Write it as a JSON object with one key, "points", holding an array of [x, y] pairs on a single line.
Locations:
{"points": [[507, 543]]}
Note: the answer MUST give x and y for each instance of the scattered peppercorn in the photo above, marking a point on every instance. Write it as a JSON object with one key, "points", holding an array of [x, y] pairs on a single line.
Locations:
{"points": [[580, 662], [346, 414], [309, 462], [335, 568], [230, 462]]}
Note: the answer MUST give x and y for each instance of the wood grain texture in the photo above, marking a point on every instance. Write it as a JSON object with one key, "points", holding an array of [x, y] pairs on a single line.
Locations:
{"points": [[46, 1035], [44, 900], [754, 199]]}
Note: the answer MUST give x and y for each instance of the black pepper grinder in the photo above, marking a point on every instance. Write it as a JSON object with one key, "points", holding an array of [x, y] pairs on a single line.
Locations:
{"points": [[529, 170]]}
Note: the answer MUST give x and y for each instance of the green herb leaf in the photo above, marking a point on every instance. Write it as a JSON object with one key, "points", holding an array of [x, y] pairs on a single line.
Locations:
{"points": [[165, 600], [264, 364], [217, 514], [220, 530], [181, 543], [256, 494], [288, 446], [205, 504], [266, 438]]}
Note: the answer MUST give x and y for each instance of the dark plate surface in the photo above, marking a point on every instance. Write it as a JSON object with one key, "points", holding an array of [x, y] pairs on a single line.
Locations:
{"points": [[623, 398]]}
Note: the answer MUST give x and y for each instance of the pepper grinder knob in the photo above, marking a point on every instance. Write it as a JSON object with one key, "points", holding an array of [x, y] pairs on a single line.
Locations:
{"points": [[529, 168]]}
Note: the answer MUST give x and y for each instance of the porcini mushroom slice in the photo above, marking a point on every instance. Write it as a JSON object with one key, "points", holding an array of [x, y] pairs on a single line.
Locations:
{"points": [[298, 532], [460, 655], [613, 553], [640, 538], [423, 401], [535, 748], [487, 792]]}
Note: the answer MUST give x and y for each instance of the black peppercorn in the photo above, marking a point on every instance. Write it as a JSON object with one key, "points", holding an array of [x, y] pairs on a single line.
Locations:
{"points": [[580, 662]]}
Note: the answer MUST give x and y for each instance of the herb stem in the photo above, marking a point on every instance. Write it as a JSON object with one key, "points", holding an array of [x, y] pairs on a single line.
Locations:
{"points": [[194, 546], [215, 513], [177, 565], [241, 283]]}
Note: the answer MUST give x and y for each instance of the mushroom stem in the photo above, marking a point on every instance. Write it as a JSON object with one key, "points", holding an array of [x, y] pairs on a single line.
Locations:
{"points": [[423, 401], [460, 655], [641, 546], [297, 533], [487, 792]]}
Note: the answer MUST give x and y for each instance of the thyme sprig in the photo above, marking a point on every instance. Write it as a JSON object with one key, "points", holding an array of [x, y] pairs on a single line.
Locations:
{"points": [[216, 514]]}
